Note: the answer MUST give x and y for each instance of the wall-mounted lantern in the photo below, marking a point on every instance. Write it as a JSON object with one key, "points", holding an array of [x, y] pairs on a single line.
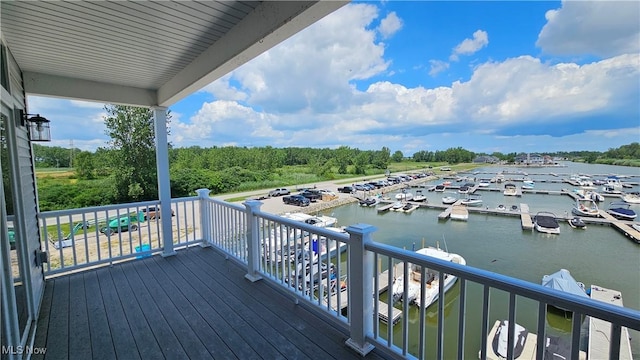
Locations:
{"points": [[39, 127]]}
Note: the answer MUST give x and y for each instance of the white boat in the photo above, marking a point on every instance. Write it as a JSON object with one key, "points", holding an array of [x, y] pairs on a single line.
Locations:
{"points": [[398, 205], [510, 189], [614, 182], [448, 200], [545, 222], [440, 188], [412, 294], [319, 220], [589, 193], [404, 195], [484, 183], [608, 189], [471, 200], [419, 196], [501, 207], [463, 189], [631, 198], [528, 184], [621, 210], [585, 207]]}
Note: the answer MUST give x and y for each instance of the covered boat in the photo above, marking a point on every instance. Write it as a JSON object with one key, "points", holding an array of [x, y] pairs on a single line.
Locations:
{"points": [[621, 210], [562, 280], [546, 222]]}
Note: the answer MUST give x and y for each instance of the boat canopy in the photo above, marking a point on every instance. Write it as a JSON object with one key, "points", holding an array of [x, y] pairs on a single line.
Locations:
{"points": [[562, 280]]}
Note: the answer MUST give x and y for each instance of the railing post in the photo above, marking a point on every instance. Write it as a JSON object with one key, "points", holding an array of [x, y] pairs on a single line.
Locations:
{"points": [[360, 275], [253, 240], [205, 217]]}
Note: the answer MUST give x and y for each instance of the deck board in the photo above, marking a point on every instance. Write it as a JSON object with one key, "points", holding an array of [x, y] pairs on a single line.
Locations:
{"points": [[193, 305]]}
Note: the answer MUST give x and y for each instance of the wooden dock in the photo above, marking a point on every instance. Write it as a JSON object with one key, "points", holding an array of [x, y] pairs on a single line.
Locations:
{"points": [[623, 227], [383, 313], [599, 330], [525, 217], [384, 208]]}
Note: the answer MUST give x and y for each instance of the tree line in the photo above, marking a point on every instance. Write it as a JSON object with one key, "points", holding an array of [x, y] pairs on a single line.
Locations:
{"points": [[125, 170]]}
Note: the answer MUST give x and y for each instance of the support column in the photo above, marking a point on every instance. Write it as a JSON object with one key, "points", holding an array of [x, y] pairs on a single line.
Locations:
{"points": [[361, 288], [164, 185], [205, 217], [253, 240]]}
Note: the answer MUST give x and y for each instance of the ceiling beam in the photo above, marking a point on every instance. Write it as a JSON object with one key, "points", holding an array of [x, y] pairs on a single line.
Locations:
{"points": [[86, 90]]}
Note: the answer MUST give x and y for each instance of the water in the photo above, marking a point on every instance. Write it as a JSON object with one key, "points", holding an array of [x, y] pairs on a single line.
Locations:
{"points": [[599, 255]]}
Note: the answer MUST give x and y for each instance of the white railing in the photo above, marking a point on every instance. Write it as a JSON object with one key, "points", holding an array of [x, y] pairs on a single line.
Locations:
{"points": [[345, 277], [79, 238], [278, 249]]}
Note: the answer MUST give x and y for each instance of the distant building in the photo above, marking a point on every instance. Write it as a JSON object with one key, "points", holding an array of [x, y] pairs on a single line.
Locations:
{"points": [[533, 159], [486, 159]]}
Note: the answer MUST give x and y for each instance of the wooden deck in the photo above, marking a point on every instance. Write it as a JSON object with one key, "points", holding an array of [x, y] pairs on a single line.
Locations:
{"points": [[194, 305]]}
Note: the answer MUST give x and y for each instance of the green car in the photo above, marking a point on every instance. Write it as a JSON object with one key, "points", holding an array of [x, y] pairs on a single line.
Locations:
{"points": [[12, 238]]}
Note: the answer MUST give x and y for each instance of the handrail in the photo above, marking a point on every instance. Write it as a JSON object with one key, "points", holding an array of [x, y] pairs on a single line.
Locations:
{"points": [[623, 316]]}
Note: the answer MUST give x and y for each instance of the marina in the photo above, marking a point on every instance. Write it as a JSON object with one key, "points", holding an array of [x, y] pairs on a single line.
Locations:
{"points": [[497, 237]]}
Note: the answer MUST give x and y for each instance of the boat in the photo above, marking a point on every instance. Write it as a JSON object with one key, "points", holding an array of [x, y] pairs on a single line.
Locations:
{"points": [[319, 220], [524, 344], [369, 201], [514, 207], [397, 205], [621, 210], [471, 200], [545, 222], [510, 189], [585, 207], [608, 189], [613, 181], [501, 207], [448, 200], [432, 279], [484, 183], [404, 195], [589, 193], [631, 198], [408, 207], [563, 281], [419, 196], [463, 189], [440, 188], [577, 223], [528, 184]]}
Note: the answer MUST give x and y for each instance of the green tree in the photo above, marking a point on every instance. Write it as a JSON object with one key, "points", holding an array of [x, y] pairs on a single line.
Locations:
{"points": [[84, 165], [397, 156], [133, 160]]}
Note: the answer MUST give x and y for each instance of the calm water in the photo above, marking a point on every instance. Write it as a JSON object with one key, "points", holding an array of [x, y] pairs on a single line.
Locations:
{"points": [[599, 255]]}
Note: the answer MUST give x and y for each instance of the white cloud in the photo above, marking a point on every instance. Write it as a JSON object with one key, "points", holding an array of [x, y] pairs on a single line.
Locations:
{"points": [[390, 25], [437, 66], [470, 46], [601, 28]]}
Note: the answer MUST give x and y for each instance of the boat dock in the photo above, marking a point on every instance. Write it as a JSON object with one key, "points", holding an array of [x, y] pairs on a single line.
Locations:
{"points": [[459, 212], [623, 227], [525, 217], [383, 308], [599, 330]]}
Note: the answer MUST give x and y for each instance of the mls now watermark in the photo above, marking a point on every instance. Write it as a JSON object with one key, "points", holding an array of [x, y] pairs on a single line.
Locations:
{"points": [[23, 350]]}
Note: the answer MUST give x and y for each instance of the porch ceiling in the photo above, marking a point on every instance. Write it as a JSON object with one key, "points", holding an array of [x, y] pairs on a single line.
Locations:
{"points": [[143, 53]]}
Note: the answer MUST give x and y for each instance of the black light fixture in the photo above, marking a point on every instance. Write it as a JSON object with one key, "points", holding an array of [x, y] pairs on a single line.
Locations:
{"points": [[39, 127]]}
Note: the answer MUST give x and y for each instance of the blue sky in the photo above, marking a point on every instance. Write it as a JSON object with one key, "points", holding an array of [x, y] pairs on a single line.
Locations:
{"points": [[489, 76]]}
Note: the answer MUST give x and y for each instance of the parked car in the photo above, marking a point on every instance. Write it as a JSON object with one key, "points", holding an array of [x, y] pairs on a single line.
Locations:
{"points": [[346, 189], [296, 200], [152, 213], [279, 192], [312, 195]]}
